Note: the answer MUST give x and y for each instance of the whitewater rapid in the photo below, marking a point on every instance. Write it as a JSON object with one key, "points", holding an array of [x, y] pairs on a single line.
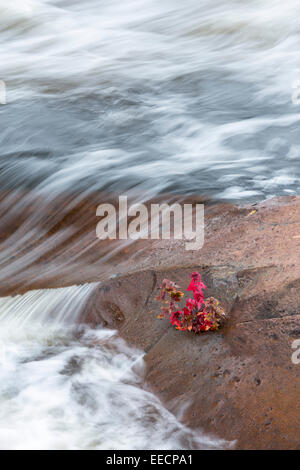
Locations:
{"points": [[192, 97], [64, 385], [139, 98]]}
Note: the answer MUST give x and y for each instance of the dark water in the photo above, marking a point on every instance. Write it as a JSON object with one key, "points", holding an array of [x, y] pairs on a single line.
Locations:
{"points": [[193, 97]]}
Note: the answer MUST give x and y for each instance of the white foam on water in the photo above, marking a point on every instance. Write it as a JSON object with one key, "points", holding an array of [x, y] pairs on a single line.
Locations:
{"points": [[66, 386], [150, 93]]}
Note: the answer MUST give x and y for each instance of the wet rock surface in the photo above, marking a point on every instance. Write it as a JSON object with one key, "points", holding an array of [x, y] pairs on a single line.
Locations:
{"points": [[239, 383]]}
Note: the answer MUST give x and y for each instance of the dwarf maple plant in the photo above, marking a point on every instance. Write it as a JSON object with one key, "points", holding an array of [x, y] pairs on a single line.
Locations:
{"points": [[198, 315]]}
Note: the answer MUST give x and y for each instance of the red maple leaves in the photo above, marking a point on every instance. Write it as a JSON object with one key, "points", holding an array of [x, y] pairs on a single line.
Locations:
{"points": [[198, 315]]}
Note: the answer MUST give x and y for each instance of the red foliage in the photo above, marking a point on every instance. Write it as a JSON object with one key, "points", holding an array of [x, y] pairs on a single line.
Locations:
{"points": [[198, 315]]}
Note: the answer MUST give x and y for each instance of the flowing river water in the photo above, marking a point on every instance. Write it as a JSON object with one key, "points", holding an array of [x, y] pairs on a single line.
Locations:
{"points": [[64, 385], [156, 97]]}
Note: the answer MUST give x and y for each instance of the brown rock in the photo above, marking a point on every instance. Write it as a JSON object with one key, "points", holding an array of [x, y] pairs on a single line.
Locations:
{"points": [[240, 382]]}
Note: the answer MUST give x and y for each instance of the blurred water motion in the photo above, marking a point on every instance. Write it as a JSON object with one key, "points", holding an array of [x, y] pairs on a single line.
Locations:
{"points": [[143, 98], [193, 97], [63, 386]]}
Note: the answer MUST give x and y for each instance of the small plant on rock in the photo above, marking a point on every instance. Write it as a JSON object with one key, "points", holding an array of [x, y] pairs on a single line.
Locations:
{"points": [[198, 315]]}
